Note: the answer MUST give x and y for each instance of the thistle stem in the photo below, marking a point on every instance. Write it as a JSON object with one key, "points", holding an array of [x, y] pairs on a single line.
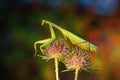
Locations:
{"points": [[56, 69], [76, 74]]}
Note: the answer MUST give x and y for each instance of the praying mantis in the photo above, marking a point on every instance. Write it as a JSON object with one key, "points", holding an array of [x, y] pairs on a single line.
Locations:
{"points": [[74, 39]]}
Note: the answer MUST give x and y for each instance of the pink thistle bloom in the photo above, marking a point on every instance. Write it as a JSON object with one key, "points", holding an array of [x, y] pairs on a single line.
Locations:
{"points": [[78, 59], [57, 49]]}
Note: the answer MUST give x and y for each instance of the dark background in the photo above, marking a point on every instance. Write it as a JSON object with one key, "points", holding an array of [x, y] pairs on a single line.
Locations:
{"points": [[97, 21]]}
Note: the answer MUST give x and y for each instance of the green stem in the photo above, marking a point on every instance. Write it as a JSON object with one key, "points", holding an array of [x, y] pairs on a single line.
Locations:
{"points": [[56, 69], [76, 74]]}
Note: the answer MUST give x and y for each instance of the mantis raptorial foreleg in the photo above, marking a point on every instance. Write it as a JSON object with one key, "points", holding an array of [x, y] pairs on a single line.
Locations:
{"points": [[45, 42], [40, 42]]}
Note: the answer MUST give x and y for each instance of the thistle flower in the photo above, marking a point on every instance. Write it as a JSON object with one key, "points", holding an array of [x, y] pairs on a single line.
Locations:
{"points": [[57, 49], [78, 59]]}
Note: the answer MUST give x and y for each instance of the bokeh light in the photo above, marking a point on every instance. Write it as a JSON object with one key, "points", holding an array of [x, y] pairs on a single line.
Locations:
{"points": [[97, 21]]}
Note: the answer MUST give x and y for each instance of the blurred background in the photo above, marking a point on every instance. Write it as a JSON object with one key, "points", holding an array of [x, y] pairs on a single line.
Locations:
{"points": [[97, 21]]}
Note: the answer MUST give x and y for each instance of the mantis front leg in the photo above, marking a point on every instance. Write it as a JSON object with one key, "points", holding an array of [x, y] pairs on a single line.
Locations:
{"points": [[45, 42]]}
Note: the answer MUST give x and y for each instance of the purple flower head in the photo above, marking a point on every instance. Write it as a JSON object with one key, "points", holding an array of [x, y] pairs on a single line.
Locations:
{"points": [[78, 59], [57, 49]]}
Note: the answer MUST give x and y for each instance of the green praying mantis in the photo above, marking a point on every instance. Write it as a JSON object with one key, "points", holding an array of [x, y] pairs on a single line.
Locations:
{"points": [[74, 39]]}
